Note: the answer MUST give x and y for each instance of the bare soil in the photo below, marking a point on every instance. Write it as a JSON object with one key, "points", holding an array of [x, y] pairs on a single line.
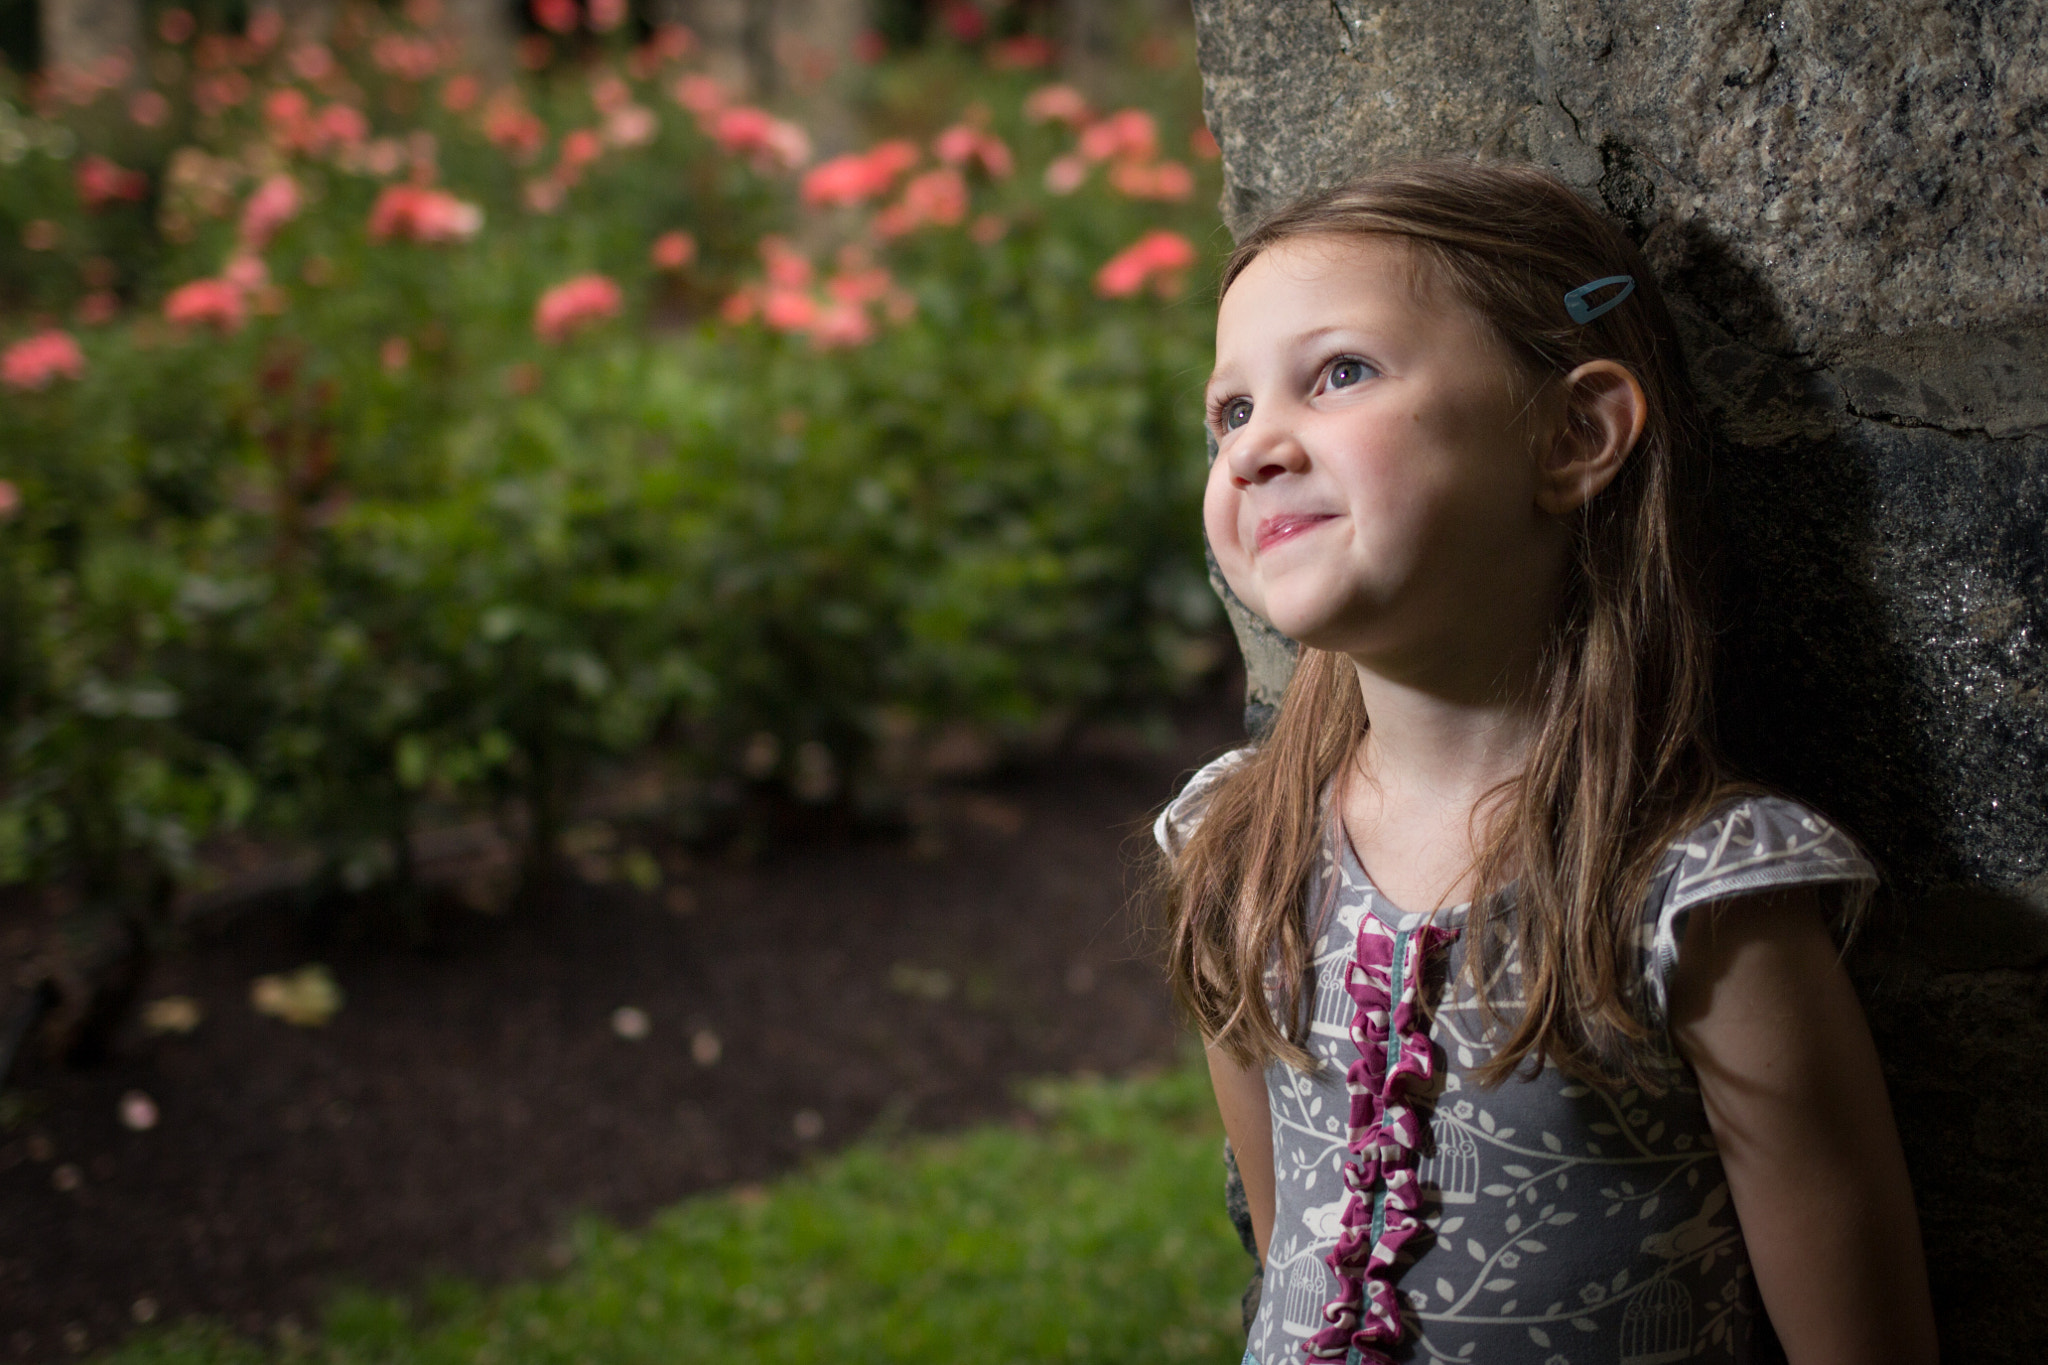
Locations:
{"points": [[470, 1100]]}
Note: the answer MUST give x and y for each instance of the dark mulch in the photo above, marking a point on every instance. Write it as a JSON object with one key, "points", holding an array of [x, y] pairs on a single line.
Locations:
{"points": [[467, 1103]]}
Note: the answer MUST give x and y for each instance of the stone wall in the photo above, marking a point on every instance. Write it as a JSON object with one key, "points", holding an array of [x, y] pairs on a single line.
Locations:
{"points": [[1848, 204]]}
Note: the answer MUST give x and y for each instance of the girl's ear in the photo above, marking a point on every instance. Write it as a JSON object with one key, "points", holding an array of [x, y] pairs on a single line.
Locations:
{"points": [[1604, 413]]}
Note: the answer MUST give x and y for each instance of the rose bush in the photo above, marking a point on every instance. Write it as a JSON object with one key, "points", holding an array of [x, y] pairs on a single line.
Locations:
{"points": [[381, 445]]}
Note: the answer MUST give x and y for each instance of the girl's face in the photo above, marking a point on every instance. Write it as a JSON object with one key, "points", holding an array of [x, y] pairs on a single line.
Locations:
{"points": [[1375, 487]]}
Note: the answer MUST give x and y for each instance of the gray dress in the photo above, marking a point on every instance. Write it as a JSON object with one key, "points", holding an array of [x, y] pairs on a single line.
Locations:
{"points": [[1560, 1224]]}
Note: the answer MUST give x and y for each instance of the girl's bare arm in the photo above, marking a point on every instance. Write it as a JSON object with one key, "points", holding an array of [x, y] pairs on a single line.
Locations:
{"points": [[1764, 1011], [1241, 1096]]}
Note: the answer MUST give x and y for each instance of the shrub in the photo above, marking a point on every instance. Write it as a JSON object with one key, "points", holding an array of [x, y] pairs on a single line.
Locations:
{"points": [[383, 442]]}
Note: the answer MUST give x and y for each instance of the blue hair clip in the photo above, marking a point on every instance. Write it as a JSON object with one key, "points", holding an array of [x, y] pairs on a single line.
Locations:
{"points": [[1575, 302]]}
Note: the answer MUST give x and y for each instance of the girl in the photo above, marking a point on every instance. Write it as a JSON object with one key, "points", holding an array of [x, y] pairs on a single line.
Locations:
{"points": [[1524, 1018]]}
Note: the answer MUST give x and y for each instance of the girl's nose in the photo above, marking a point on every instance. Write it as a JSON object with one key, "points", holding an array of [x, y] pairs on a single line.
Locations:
{"points": [[1263, 451]]}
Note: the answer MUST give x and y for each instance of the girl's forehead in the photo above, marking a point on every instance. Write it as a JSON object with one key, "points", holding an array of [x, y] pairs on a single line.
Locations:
{"points": [[1313, 284], [1378, 263]]}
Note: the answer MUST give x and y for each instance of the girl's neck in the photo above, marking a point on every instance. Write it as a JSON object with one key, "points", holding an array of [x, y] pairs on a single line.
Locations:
{"points": [[1427, 745], [1415, 798]]}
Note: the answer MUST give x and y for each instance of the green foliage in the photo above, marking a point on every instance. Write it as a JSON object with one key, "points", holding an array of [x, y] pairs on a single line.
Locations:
{"points": [[1098, 1237], [380, 539]]}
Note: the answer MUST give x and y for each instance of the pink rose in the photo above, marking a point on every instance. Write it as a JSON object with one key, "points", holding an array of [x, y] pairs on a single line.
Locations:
{"points": [[573, 305], [673, 251], [219, 304], [1158, 256], [275, 203], [101, 182], [418, 214], [35, 363]]}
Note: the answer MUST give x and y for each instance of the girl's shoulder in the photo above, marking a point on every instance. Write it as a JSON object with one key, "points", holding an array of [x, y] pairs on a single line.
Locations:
{"points": [[1747, 844], [1182, 814]]}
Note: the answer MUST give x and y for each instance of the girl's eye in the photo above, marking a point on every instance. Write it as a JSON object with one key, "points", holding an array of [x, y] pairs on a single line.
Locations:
{"points": [[1345, 373], [1234, 414]]}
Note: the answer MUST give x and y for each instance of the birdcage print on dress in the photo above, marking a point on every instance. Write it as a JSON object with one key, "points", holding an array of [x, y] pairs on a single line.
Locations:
{"points": [[1657, 1326], [1334, 1005], [1308, 1289], [1451, 1170]]}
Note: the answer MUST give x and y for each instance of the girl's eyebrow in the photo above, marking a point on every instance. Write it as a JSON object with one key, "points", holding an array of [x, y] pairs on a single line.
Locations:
{"points": [[1299, 342]]}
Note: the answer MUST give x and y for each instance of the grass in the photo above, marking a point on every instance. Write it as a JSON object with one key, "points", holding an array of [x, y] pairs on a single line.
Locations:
{"points": [[1094, 1234]]}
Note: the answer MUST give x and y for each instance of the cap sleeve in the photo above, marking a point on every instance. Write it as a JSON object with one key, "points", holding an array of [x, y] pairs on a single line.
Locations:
{"points": [[1182, 814], [1762, 843]]}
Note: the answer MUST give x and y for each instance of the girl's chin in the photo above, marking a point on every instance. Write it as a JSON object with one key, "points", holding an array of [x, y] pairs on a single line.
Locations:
{"points": [[1319, 625]]}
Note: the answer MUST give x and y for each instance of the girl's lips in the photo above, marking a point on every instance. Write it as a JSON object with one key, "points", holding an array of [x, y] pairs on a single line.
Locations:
{"points": [[1273, 530]]}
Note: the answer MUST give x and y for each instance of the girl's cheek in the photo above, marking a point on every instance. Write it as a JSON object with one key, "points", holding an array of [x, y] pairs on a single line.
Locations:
{"points": [[1221, 504], [1222, 507]]}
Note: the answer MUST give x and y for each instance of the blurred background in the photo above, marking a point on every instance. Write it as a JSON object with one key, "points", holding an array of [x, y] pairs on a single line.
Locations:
{"points": [[594, 600]]}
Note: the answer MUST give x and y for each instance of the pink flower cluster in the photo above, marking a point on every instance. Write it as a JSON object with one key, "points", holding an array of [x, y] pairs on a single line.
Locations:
{"points": [[100, 183], [936, 198], [964, 144], [859, 176], [574, 305], [294, 127], [1157, 258], [1025, 52], [82, 85], [748, 131], [673, 251], [38, 361], [839, 316], [410, 58], [1128, 140], [275, 203], [1058, 104], [511, 125], [217, 303], [963, 19], [557, 16], [741, 128], [416, 213]]}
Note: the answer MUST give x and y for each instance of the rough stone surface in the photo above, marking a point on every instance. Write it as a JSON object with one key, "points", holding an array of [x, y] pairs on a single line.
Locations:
{"points": [[1848, 206]]}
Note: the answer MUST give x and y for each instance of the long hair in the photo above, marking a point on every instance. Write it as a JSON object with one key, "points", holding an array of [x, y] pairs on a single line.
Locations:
{"points": [[1622, 761]]}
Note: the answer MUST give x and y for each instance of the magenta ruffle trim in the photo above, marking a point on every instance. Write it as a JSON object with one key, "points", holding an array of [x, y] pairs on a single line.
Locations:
{"points": [[1384, 1207]]}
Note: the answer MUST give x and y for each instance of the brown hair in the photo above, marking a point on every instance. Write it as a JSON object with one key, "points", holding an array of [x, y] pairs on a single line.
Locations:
{"points": [[1622, 762]]}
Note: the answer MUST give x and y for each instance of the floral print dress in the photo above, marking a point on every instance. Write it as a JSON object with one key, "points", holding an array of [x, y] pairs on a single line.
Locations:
{"points": [[1540, 1222]]}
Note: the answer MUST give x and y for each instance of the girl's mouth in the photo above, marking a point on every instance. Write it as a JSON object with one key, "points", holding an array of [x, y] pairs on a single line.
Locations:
{"points": [[1273, 530]]}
